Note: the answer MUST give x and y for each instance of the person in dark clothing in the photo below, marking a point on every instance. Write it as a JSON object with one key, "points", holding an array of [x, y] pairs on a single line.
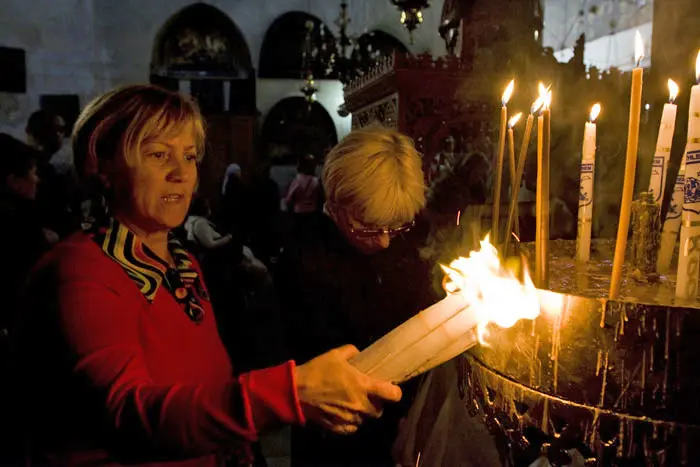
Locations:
{"points": [[24, 241], [265, 216], [58, 198], [233, 215], [344, 283], [22, 234]]}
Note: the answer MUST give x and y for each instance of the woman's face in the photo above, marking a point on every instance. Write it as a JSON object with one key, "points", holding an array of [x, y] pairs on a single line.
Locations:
{"points": [[155, 195], [27, 185], [367, 239]]}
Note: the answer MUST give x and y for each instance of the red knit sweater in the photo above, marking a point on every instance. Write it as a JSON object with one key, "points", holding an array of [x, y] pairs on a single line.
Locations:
{"points": [[114, 379]]}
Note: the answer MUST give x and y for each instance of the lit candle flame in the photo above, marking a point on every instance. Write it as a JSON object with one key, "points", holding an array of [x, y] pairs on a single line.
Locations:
{"points": [[537, 105], [595, 111], [541, 101], [697, 68], [508, 92], [514, 119], [638, 48], [672, 91], [547, 101], [494, 292]]}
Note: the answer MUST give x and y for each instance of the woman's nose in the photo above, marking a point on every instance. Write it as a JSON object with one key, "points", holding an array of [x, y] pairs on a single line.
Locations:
{"points": [[179, 169], [384, 240]]}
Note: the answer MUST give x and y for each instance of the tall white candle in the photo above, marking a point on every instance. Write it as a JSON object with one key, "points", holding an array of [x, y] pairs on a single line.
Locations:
{"points": [[672, 224], [689, 256], [659, 167], [585, 200]]}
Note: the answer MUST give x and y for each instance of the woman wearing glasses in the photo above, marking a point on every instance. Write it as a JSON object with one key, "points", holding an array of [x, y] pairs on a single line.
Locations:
{"points": [[356, 278]]}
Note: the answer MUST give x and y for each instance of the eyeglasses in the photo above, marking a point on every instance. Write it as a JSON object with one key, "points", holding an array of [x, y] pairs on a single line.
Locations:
{"points": [[392, 232]]}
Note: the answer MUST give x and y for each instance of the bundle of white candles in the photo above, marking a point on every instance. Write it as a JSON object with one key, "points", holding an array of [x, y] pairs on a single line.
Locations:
{"points": [[432, 337], [480, 291]]}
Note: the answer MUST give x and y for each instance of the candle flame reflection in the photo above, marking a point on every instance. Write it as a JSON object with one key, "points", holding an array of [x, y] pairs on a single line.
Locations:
{"points": [[514, 119], [494, 292], [672, 91], [595, 111], [508, 92], [638, 48]]}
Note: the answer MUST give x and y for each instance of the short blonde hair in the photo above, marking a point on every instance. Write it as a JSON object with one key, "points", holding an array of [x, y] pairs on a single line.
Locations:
{"points": [[116, 123], [376, 174]]}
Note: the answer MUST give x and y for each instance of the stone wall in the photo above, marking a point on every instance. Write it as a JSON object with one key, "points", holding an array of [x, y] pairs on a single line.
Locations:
{"points": [[85, 47]]}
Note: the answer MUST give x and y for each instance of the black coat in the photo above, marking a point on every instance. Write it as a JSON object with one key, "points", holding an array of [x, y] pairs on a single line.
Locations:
{"points": [[332, 295], [23, 240]]}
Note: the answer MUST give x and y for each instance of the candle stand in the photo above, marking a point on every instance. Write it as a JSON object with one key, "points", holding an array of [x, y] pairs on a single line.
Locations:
{"points": [[616, 380]]}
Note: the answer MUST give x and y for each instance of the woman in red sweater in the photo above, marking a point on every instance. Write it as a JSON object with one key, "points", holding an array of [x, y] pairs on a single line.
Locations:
{"points": [[120, 356]]}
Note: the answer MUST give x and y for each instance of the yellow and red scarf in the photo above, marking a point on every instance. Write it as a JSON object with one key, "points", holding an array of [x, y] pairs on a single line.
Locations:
{"points": [[149, 271]]}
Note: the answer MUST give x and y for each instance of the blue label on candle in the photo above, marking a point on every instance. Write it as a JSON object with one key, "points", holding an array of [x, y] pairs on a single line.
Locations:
{"points": [[692, 182], [675, 207]]}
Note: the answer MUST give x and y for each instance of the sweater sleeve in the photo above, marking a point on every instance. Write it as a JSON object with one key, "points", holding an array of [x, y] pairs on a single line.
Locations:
{"points": [[207, 236], [101, 329]]}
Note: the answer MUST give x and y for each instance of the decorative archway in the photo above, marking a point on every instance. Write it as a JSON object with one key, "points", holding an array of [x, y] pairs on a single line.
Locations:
{"points": [[283, 46], [202, 46], [200, 40], [293, 128]]}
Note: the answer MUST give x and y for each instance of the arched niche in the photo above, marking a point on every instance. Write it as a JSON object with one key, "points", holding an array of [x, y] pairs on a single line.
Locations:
{"points": [[293, 128], [200, 41], [284, 45]]}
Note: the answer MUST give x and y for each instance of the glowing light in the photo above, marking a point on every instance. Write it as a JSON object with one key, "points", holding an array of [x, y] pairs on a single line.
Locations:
{"points": [[539, 102], [697, 68], [672, 91], [595, 111], [547, 101], [494, 292], [508, 92], [514, 119], [638, 48]]}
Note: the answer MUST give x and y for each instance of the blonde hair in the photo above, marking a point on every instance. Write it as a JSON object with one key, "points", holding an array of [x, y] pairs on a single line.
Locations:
{"points": [[116, 123], [376, 174]]}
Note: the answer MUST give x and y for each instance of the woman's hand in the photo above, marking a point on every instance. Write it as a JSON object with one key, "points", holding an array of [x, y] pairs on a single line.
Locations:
{"points": [[335, 395]]}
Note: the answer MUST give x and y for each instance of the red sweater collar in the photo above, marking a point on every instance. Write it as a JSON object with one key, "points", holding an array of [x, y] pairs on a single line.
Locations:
{"points": [[149, 272]]}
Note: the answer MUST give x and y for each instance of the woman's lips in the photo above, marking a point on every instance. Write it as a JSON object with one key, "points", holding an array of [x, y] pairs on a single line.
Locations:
{"points": [[173, 198]]}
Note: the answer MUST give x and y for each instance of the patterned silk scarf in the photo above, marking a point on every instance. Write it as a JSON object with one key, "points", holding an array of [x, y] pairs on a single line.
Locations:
{"points": [[149, 271]]}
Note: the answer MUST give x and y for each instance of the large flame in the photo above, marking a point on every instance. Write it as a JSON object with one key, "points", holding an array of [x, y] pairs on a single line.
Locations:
{"points": [[494, 293], [595, 111], [638, 48], [697, 67], [508, 92], [672, 91], [514, 119]]}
